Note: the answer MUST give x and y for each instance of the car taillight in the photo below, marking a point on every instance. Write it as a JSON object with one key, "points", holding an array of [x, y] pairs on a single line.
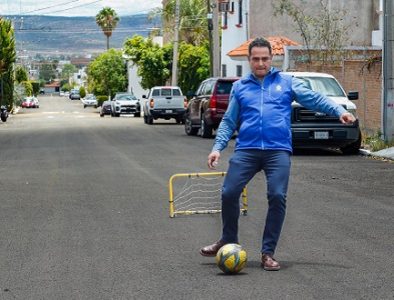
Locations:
{"points": [[151, 103], [213, 102]]}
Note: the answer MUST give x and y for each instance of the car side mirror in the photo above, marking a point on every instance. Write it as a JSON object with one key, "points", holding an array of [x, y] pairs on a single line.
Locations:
{"points": [[352, 95]]}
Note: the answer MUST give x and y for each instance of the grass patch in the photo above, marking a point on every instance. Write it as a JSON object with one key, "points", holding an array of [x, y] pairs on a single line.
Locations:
{"points": [[375, 143]]}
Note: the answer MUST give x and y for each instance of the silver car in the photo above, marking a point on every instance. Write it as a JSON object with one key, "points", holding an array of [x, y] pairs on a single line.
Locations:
{"points": [[89, 100]]}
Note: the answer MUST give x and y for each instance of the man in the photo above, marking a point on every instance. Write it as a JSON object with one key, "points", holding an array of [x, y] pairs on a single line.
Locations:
{"points": [[260, 109]]}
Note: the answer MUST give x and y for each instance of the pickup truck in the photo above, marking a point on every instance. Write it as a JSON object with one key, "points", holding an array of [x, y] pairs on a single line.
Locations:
{"points": [[164, 102], [315, 129]]}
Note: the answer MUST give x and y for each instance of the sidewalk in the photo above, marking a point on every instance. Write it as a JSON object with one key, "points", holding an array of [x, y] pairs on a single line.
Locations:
{"points": [[385, 153]]}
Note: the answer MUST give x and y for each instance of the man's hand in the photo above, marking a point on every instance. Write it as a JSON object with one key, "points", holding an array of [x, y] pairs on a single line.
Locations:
{"points": [[347, 118], [213, 159]]}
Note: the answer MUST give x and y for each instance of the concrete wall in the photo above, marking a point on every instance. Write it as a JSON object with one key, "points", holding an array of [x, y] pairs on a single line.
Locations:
{"points": [[361, 15]]}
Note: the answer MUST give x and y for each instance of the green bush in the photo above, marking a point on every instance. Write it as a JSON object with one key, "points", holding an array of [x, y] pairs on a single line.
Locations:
{"points": [[82, 92], [101, 99]]}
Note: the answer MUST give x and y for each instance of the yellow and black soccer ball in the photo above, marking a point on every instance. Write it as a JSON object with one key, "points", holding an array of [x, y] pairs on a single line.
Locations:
{"points": [[231, 258]]}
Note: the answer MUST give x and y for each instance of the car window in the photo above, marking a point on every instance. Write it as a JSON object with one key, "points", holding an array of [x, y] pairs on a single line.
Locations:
{"points": [[208, 88], [166, 92], [176, 92], [156, 92], [224, 87], [201, 89], [325, 85]]}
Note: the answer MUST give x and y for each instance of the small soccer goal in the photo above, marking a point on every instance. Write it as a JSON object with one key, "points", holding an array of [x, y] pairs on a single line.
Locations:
{"points": [[198, 193]]}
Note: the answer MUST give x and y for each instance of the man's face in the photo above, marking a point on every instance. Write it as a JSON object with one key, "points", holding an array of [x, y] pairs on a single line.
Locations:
{"points": [[260, 61]]}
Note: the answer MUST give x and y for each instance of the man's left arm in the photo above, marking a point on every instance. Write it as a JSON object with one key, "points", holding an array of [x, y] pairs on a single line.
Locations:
{"points": [[318, 102]]}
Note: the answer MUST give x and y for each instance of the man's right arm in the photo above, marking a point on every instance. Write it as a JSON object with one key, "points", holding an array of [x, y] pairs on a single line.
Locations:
{"points": [[228, 125], [225, 131]]}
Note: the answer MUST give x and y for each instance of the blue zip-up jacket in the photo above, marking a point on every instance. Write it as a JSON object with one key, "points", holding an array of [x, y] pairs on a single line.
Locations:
{"points": [[261, 111]]}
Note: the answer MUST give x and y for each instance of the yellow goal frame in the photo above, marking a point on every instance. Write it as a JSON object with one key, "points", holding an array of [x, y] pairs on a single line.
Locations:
{"points": [[174, 212]]}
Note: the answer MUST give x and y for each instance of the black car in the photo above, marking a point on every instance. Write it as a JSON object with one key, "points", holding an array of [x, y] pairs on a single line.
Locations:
{"points": [[105, 108]]}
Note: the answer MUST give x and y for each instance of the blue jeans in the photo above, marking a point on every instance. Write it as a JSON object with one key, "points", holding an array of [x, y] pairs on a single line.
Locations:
{"points": [[244, 164]]}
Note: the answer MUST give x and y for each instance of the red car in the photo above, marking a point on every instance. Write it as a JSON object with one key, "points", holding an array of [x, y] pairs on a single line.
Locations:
{"points": [[30, 102]]}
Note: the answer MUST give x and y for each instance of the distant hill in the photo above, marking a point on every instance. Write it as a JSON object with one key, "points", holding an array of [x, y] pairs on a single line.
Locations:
{"points": [[75, 35]]}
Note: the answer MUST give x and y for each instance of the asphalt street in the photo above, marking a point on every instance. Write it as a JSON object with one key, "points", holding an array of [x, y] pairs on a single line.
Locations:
{"points": [[84, 215]]}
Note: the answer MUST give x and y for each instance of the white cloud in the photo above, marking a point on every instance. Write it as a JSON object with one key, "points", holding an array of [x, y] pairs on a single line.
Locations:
{"points": [[75, 7]]}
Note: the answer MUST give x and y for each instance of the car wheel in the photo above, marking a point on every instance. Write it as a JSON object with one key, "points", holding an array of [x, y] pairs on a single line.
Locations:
{"points": [[205, 130], [84, 106], [102, 115], [354, 147], [189, 129]]}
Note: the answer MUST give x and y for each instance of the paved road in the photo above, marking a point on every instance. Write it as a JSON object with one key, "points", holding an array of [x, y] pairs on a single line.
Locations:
{"points": [[84, 215]]}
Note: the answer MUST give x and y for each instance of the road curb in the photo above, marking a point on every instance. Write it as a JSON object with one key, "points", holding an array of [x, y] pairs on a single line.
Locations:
{"points": [[366, 152]]}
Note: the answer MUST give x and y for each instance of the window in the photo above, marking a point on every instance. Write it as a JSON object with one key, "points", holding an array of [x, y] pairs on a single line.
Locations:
{"points": [[224, 70], [156, 93], [224, 21], [166, 92], [239, 13], [208, 88], [176, 92], [239, 71], [224, 87]]}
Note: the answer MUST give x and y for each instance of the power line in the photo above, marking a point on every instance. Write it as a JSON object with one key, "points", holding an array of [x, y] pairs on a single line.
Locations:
{"points": [[61, 10], [64, 3]]}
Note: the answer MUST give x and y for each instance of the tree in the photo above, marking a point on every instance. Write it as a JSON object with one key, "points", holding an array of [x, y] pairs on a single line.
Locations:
{"points": [[193, 66], [67, 71], [107, 74], [7, 59], [107, 19], [153, 61], [21, 74], [324, 30], [193, 27], [48, 71]]}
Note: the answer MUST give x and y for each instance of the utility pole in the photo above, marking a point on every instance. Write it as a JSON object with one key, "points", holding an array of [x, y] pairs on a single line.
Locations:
{"points": [[174, 79], [214, 39], [388, 71], [210, 28]]}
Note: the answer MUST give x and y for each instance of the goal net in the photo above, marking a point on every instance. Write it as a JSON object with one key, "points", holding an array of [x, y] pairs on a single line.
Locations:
{"points": [[198, 193]]}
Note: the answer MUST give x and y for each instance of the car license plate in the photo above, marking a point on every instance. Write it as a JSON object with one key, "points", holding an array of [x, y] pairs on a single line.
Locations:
{"points": [[321, 135], [168, 111]]}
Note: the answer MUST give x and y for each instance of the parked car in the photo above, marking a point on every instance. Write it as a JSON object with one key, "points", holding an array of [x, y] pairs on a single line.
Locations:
{"points": [[105, 108], [125, 103], [207, 106], [314, 129], [89, 100], [75, 96], [164, 102], [30, 102]]}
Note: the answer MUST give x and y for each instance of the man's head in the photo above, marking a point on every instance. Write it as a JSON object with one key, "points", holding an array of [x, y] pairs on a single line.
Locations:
{"points": [[260, 57]]}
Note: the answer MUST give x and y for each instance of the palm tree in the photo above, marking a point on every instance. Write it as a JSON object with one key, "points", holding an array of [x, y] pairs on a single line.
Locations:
{"points": [[193, 20], [107, 19]]}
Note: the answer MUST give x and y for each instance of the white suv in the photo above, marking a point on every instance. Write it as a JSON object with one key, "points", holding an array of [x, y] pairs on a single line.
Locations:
{"points": [[125, 103]]}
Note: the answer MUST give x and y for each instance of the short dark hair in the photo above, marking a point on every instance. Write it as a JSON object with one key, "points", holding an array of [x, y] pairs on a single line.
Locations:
{"points": [[260, 42]]}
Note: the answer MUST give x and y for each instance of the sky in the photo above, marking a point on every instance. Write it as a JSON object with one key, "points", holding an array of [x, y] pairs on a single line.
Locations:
{"points": [[75, 7]]}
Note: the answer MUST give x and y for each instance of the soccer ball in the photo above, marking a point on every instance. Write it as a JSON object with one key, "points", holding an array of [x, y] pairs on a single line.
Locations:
{"points": [[231, 258]]}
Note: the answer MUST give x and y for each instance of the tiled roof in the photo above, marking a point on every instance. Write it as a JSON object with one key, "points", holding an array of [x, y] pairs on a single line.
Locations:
{"points": [[277, 44]]}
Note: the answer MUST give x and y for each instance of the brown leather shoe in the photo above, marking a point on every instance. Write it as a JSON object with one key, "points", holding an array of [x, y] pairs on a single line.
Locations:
{"points": [[211, 250], [269, 263]]}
